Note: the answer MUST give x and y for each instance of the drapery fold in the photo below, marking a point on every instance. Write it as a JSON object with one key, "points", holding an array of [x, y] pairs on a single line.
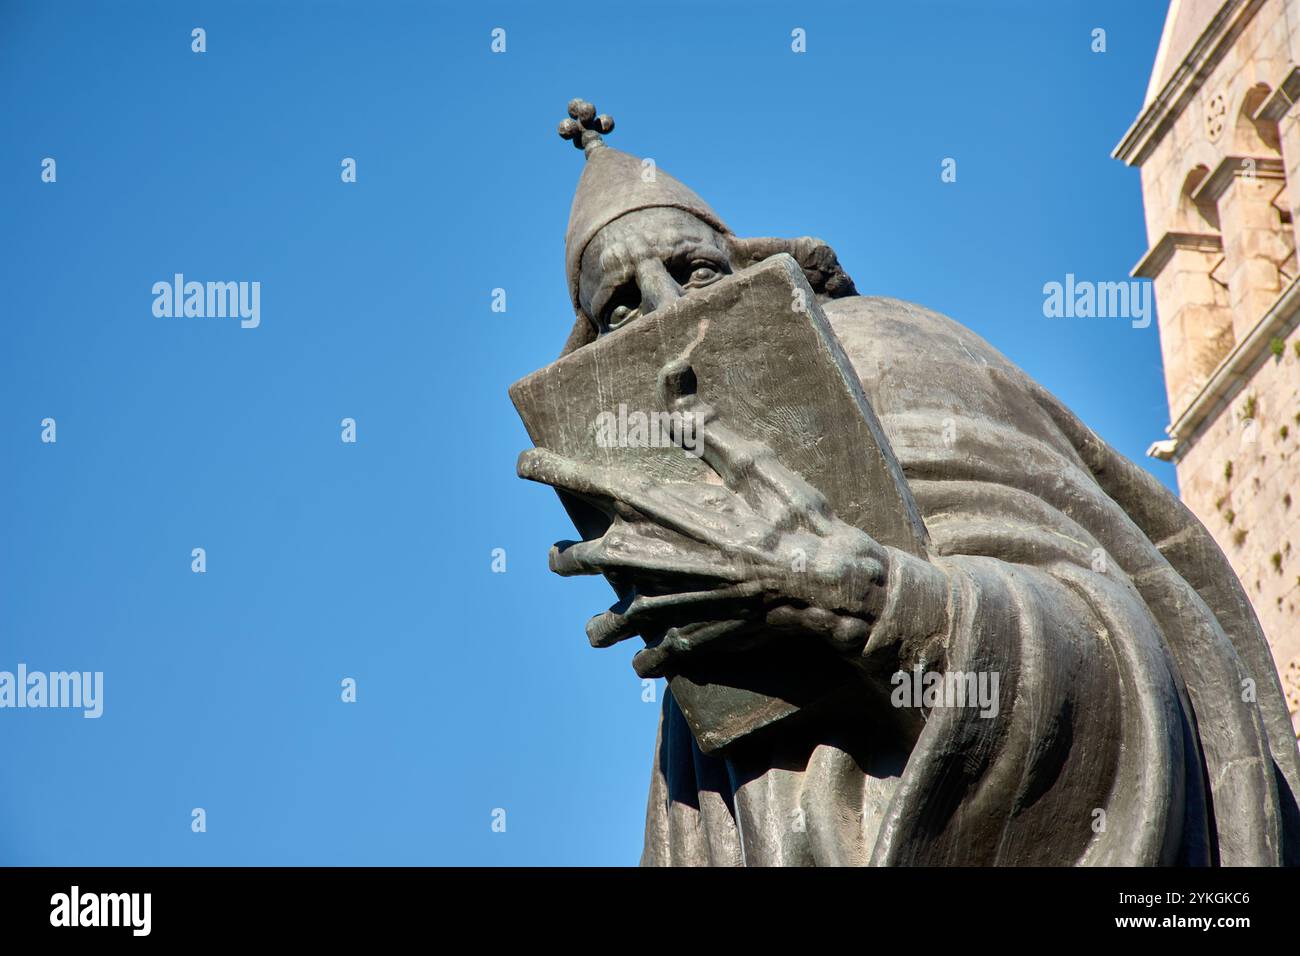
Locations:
{"points": [[1140, 719]]}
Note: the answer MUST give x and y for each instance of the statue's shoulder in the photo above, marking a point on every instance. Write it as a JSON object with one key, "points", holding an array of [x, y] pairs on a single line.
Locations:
{"points": [[878, 328]]}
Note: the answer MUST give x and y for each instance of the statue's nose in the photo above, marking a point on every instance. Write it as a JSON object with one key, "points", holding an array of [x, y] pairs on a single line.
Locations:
{"points": [[657, 286]]}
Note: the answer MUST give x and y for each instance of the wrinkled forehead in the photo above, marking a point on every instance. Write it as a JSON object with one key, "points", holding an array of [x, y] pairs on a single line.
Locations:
{"points": [[660, 232]]}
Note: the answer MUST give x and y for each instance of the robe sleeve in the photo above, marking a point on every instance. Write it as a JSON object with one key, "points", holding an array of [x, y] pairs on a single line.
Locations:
{"points": [[1086, 758]]}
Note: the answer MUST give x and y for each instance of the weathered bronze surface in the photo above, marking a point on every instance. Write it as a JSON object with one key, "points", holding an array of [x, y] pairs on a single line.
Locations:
{"points": [[911, 609]]}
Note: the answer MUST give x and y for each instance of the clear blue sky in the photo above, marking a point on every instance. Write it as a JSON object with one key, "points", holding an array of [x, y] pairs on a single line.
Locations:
{"points": [[373, 561]]}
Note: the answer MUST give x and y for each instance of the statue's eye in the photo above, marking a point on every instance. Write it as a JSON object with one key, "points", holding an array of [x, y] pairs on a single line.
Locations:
{"points": [[623, 305], [701, 272]]}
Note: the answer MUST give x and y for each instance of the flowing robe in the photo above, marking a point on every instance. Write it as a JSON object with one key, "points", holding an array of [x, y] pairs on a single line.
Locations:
{"points": [[1141, 721]]}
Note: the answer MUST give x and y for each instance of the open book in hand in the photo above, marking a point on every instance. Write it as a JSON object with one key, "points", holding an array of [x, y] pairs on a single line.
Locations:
{"points": [[767, 362]]}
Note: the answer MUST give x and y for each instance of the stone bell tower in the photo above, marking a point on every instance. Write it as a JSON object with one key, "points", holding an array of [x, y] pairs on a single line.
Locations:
{"points": [[1218, 145]]}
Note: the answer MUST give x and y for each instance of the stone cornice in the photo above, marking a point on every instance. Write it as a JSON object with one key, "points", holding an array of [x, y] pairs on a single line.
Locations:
{"points": [[1281, 99], [1157, 257], [1156, 118], [1230, 167], [1237, 366]]}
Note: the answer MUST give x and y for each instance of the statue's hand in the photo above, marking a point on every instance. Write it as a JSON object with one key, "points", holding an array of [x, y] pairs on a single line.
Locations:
{"points": [[700, 562]]}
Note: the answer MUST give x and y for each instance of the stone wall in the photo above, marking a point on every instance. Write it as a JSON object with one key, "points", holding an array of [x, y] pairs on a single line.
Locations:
{"points": [[1240, 478]]}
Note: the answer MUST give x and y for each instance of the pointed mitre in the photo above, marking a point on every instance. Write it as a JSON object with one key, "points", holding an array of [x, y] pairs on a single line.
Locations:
{"points": [[614, 184]]}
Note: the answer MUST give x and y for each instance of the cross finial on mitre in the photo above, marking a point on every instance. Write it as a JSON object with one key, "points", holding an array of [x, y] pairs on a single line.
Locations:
{"points": [[584, 127]]}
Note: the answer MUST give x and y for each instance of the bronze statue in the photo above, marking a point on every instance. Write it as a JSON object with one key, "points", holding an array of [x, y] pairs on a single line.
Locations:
{"points": [[1117, 702]]}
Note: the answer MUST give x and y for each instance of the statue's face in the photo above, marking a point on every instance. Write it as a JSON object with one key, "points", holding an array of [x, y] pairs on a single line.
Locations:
{"points": [[644, 260]]}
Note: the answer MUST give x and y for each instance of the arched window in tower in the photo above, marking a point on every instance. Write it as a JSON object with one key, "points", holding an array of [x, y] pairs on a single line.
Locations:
{"points": [[1194, 212], [1257, 135], [1249, 190], [1254, 135], [1193, 288]]}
